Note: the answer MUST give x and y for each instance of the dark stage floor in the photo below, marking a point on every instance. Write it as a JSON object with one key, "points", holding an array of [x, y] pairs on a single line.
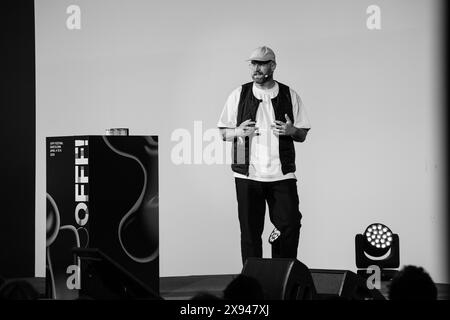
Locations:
{"points": [[186, 287], [183, 288]]}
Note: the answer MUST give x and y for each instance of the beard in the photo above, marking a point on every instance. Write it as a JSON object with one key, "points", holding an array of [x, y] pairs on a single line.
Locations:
{"points": [[261, 78]]}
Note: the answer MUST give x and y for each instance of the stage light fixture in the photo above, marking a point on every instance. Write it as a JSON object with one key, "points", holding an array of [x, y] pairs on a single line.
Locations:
{"points": [[378, 246]]}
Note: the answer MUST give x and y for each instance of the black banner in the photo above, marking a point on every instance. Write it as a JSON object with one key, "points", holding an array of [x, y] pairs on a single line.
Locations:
{"points": [[102, 194]]}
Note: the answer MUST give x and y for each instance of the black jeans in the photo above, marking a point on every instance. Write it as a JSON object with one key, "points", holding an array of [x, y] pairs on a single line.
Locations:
{"points": [[282, 200]]}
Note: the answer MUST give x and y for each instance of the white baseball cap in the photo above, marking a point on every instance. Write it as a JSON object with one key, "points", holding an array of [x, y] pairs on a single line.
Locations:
{"points": [[262, 54]]}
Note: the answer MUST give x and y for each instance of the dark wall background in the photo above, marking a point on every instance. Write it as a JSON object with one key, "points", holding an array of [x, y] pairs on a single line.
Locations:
{"points": [[18, 135]]}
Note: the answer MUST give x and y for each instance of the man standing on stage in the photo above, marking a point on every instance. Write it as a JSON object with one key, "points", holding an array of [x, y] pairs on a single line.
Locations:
{"points": [[263, 118]]}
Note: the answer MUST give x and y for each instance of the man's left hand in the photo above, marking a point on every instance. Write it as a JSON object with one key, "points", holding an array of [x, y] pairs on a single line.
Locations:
{"points": [[281, 128]]}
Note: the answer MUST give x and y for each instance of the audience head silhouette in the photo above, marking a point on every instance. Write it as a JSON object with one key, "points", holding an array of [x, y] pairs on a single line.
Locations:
{"points": [[243, 288], [16, 289], [412, 283]]}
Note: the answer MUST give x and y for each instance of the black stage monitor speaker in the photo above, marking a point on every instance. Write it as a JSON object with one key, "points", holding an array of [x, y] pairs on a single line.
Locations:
{"points": [[103, 278], [281, 278], [342, 284]]}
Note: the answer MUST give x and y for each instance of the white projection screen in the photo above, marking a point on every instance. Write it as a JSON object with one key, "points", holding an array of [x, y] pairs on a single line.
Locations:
{"points": [[369, 74]]}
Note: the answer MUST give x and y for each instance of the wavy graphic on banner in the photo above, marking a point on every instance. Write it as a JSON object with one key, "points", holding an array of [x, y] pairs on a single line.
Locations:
{"points": [[139, 214], [53, 227]]}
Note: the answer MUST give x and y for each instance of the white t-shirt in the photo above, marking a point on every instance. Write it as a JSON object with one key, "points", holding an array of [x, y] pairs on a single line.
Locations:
{"points": [[265, 162]]}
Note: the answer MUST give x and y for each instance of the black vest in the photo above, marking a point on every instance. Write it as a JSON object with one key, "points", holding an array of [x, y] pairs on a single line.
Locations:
{"points": [[247, 108]]}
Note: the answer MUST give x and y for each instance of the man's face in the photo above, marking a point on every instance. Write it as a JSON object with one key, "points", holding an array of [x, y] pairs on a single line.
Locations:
{"points": [[262, 71]]}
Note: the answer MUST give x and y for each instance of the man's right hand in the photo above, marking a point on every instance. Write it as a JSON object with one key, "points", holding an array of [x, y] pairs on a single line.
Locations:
{"points": [[246, 128]]}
